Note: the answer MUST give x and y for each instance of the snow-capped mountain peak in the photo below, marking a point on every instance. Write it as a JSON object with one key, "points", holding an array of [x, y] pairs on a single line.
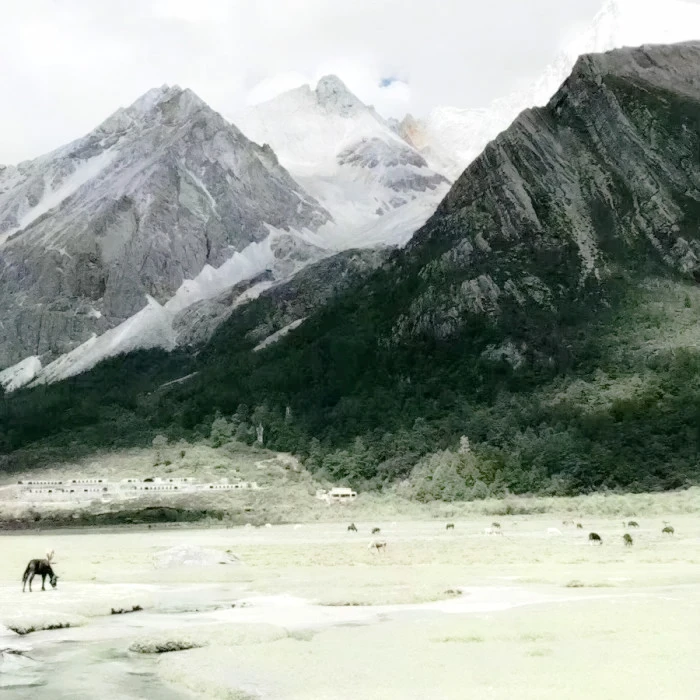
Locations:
{"points": [[450, 138], [377, 187], [333, 95]]}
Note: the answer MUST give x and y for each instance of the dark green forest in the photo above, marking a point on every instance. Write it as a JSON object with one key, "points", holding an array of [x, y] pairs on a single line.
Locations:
{"points": [[362, 411]]}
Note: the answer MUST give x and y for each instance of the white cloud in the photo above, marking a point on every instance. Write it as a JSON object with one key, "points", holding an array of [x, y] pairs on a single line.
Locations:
{"points": [[275, 85], [67, 64]]}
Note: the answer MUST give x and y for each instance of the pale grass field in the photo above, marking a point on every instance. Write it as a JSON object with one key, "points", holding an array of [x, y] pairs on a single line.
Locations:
{"points": [[628, 630]]}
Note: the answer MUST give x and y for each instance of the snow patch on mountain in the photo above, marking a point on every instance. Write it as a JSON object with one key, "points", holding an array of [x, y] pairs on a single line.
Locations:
{"points": [[20, 374], [85, 170], [277, 335]]}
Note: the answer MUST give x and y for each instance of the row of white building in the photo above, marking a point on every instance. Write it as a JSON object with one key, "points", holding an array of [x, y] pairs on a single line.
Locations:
{"points": [[89, 489]]}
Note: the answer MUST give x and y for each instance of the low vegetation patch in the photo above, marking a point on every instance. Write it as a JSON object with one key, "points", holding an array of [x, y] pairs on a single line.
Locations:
{"points": [[539, 652], [23, 629], [149, 646], [124, 611], [460, 639]]}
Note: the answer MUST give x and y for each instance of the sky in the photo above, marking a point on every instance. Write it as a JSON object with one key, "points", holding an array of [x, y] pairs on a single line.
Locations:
{"points": [[68, 64]]}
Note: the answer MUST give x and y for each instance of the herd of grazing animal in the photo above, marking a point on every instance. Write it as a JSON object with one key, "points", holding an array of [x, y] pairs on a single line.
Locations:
{"points": [[495, 529], [628, 540], [43, 567]]}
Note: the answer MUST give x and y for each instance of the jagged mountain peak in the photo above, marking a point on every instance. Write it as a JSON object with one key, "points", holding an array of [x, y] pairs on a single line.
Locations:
{"points": [[167, 105], [332, 94], [154, 96], [159, 193]]}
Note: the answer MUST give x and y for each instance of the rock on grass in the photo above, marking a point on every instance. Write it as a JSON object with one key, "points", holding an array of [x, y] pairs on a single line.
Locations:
{"points": [[26, 624], [197, 637], [163, 646]]}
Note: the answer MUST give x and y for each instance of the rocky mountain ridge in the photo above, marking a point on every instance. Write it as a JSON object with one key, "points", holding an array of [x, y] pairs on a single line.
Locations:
{"points": [[603, 180], [145, 202]]}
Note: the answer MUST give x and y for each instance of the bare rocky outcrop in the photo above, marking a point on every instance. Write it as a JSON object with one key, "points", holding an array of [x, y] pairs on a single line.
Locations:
{"points": [[135, 208], [603, 181]]}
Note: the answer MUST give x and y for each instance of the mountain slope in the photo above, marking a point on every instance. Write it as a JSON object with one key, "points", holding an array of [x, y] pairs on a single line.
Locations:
{"points": [[547, 312], [518, 296], [155, 196], [378, 188], [450, 138]]}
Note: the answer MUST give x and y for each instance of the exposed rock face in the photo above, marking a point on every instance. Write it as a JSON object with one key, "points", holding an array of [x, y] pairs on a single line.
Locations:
{"points": [[603, 180], [134, 208]]}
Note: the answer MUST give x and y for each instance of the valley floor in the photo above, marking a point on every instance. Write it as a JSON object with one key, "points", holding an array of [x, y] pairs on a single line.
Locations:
{"points": [[308, 612]]}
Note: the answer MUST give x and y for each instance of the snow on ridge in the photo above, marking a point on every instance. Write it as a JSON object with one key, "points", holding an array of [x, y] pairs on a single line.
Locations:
{"points": [[20, 374], [274, 337], [149, 328], [252, 260], [84, 172]]}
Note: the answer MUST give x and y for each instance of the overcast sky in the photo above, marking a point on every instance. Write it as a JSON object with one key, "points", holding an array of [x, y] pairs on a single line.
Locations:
{"points": [[68, 64]]}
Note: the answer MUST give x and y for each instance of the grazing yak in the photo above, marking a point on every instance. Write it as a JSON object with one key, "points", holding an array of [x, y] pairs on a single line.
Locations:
{"points": [[632, 523], [352, 527], [39, 567], [450, 526], [375, 530], [628, 540], [496, 525], [595, 537], [668, 530], [491, 531], [377, 546], [579, 526]]}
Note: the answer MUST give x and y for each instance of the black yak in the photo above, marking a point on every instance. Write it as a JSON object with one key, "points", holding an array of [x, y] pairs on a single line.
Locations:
{"points": [[39, 567]]}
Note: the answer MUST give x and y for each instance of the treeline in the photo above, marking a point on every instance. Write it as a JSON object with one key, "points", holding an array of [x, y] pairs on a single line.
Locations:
{"points": [[360, 410]]}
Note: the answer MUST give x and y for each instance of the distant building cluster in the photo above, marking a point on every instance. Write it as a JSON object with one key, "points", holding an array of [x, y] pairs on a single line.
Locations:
{"points": [[89, 489]]}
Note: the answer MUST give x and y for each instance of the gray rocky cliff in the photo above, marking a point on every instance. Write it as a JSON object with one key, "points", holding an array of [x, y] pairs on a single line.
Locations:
{"points": [[603, 181], [133, 209]]}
